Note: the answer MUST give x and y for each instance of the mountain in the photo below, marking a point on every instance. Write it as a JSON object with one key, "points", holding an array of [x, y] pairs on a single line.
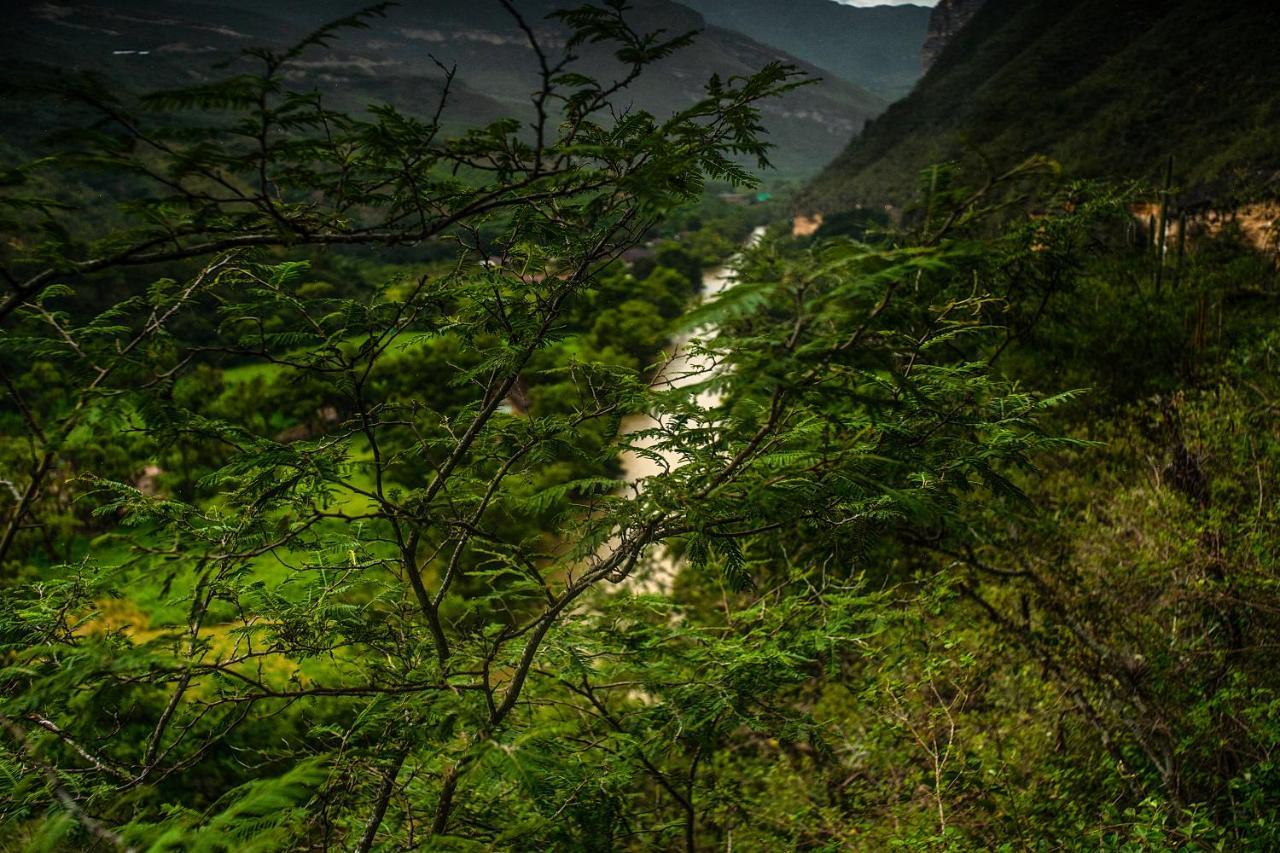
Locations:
{"points": [[143, 44], [946, 21], [1109, 89], [877, 48]]}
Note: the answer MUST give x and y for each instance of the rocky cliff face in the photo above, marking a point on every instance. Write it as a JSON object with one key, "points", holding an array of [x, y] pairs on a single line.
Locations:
{"points": [[948, 17]]}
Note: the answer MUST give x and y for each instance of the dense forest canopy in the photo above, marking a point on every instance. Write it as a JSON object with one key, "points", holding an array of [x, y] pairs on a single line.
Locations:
{"points": [[394, 474]]}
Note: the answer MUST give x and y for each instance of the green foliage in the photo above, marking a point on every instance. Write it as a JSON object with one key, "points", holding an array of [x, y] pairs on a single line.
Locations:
{"points": [[331, 549], [373, 521]]}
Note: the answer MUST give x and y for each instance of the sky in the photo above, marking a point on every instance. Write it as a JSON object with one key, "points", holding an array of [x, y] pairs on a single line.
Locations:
{"points": [[889, 2]]}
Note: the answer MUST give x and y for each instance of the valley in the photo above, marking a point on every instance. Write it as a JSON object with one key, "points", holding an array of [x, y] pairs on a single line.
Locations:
{"points": [[650, 425]]}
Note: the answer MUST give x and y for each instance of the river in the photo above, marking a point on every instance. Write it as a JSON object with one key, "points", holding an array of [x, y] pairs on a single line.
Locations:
{"points": [[683, 368]]}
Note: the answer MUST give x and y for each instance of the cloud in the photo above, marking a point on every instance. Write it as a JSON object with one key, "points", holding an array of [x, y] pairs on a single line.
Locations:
{"points": [[889, 2]]}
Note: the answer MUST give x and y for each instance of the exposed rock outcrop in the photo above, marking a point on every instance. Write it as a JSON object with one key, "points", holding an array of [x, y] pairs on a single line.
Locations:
{"points": [[806, 226], [948, 18]]}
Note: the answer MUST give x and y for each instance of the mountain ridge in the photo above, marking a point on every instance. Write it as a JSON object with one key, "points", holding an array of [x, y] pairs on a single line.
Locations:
{"points": [[875, 47], [948, 18], [1110, 92], [153, 45]]}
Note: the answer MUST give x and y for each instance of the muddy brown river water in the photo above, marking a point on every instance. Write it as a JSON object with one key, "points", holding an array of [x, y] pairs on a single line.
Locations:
{"points": [[684, 368]]}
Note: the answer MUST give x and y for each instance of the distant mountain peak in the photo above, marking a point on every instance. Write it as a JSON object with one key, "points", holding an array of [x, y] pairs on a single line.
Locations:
{"points": [[1109, 90], [948, 18], [148, 44], [876, 48]]}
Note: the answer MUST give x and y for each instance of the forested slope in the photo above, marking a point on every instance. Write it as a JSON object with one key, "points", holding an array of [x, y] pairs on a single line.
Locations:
{"points": [[1109, 89]]}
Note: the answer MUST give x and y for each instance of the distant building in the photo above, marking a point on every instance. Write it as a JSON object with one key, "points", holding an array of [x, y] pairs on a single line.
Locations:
{"points": [[745, 198]]}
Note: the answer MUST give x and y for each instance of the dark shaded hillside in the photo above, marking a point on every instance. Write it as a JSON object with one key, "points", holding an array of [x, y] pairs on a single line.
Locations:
{"points": [[1108, 89], [142, 45], [949, 17], [877, 48]]}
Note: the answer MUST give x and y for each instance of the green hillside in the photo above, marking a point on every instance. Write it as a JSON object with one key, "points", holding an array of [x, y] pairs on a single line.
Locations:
{"points": [[1109, 90], [877, 47]]}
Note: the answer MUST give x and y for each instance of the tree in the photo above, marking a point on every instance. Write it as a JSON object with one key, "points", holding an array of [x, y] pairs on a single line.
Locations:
{"points": [[393, 624]]}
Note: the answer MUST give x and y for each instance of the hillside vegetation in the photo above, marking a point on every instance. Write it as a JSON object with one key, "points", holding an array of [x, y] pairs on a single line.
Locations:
{"points": [[320, 526], [1108, 89]]}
